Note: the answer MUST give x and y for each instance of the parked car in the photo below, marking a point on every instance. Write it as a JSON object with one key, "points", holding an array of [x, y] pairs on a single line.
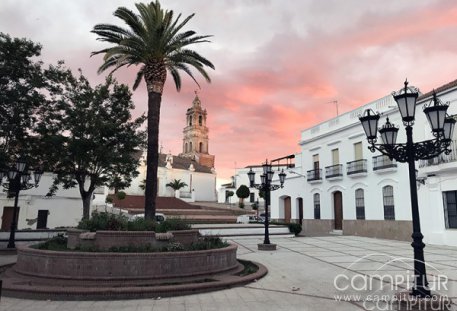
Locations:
{"points": [[246, 219], [159, 217], [262, 216]]}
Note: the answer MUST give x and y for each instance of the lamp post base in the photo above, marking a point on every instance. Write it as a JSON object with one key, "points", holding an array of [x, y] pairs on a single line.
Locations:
{"points": [[406, 301], [266, 247]]}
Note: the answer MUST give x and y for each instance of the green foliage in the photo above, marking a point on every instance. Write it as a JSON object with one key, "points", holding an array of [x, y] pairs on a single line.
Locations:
{"points": [[121, 195], [173, 224], [243, 192], [104, 221], [208, 243], [249, 267], [109, 199], [141, 224], [241, 205], [294, 228], [254, 206], [57, 243], [24, 86], [99, 151], [176, 184], [230, 193]]}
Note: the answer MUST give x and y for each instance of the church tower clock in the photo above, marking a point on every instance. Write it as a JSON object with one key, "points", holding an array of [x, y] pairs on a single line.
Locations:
{"points": [[195, 135]]}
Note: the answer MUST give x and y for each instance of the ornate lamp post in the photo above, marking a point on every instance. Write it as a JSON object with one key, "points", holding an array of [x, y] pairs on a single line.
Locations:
{"points": [[18, 179], [266, 186], [442, 128]]}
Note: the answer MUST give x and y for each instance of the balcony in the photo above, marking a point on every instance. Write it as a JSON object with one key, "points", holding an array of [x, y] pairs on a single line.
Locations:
{"points": [[357, 168], [334, 172], [442, 158], [383, 163], [314, 176]]}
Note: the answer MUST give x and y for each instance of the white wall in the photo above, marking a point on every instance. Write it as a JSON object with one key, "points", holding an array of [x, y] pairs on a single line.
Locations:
{"points": [[342, 132]]}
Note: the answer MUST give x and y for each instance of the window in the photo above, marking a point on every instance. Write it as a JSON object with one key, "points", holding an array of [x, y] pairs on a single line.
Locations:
{"points": [[317, 206], [190, 146], [200, 120], [200, 147], [388, 200], [450, 209], [251, 197], [335, 157], [359, 204], [190, 120], [186, 148], [358, 151]]}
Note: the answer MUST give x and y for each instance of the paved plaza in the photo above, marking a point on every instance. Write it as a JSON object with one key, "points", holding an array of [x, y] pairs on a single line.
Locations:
{"points": [[305, 273]]}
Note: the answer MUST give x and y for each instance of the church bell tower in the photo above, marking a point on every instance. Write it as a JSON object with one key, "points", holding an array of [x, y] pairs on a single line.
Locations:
{"points": [[195, 135]]}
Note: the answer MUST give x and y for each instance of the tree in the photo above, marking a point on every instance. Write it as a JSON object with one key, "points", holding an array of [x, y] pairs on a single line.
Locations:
{"points": [[23, 84], [89, 137], [176, 184], [154, 41], [242, 192]]}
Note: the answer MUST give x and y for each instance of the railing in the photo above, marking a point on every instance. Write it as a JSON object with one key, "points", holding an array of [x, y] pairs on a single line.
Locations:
{"points": [[314, 174], [383, 162], [334, 171], [442, 158], [358, 166]]}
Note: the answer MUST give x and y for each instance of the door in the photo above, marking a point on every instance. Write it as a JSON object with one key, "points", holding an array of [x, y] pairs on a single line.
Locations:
{"points": [[287, 212], [42, 222], [300, 210], [335, 157], [7, 217], [338, 209]]}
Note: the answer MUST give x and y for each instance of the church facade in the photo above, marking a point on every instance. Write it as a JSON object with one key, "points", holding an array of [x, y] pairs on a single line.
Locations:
{"points": [[194, 165]]}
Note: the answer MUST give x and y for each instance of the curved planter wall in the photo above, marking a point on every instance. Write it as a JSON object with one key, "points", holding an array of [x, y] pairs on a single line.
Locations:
{"points": [[86, 265]]}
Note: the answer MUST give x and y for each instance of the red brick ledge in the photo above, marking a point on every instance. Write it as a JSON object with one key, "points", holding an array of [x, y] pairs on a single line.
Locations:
{"points": [[221, 281], [123, 266]]}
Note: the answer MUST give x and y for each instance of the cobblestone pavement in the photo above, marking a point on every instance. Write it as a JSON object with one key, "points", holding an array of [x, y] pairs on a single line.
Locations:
{"points": [[305, 273]]}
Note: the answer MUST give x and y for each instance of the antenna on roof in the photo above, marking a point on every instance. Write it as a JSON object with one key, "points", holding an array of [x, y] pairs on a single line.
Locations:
{"points": [[336, 105]]}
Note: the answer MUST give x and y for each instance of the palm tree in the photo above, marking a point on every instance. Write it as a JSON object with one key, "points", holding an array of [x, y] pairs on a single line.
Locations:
{"points": [[176, 184], [154, 41]]}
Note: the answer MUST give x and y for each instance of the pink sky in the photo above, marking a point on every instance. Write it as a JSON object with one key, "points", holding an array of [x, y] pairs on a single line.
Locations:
{"points": [[278, 63]]}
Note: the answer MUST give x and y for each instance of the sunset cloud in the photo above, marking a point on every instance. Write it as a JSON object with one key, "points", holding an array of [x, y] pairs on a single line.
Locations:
{"points": [[279, 64]]}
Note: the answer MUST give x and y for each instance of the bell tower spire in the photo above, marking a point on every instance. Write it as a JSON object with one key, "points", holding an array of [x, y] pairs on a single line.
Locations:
{"points": [[195, 134]]}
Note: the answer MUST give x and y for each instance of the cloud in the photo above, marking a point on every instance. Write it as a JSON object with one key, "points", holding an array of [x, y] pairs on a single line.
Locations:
{"points": [[278, 64]]}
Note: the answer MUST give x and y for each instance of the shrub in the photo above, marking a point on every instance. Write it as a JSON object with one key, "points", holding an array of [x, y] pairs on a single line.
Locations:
{"points": [[109, 200], [104, 221], [121, 195], [174, 247], [141, 224], [208, 243], [172, 224], [241, 205], [294, 228], [243, 192], [254, 206], [57, 243]]}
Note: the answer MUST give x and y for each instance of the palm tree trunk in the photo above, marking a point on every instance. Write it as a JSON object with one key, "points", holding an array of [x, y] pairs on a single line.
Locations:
{"points": [[152, 159]]}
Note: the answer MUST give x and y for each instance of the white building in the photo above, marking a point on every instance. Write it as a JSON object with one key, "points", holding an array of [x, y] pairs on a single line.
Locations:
{"points": [[194, 166], [38, 211], [338, 185]]}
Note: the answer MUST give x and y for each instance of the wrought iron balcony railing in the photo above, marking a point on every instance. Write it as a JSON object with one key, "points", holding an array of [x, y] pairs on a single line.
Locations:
{"points": [[356, 167], [314, 175], [383, 162], [334, 171]]}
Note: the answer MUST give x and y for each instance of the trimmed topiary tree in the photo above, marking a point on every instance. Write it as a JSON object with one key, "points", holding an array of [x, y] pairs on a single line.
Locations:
{"points": [[243, 192]]}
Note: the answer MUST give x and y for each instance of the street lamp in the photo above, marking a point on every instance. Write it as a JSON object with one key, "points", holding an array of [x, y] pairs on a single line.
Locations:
{"points": [[18, 179], [266, 186], [442, 128]]}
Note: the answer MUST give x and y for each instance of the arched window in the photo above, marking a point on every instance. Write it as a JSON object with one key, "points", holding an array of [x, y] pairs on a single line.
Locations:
{"points": [[388, 200], [200, 148], [190, 120], [190, 146], [317, 206], [200, 120], [359, 204], [185, 148]]}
